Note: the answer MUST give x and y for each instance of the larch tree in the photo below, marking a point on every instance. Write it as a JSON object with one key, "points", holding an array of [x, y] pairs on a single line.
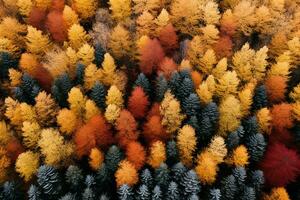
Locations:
{"points": [[157, 154], [67, 121], [145, 24], [239, 157], [77, 102], [126, 174], [31, 134], [27, 164], [136, 154], [227, 84], [121, 9], [217, 148], [277, 193], [138, 103], [77, 36], [85, 8], [206, 168], [96, 158], [112, 113], [114, 96], [70, 16], [108, 70], [36, 42], [86, 54]]}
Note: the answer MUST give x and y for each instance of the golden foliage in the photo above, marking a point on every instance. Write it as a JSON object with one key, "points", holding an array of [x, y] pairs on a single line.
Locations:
{"points": [[70, 16], [186, 143], [28, 63], [227, 84], [67, 121], [120, 9], [126, 174], [13, 111], [27, 164], [16, 30], [56, 62], [245, 97], [96, 159], [8, 45], [4, 164], [45, 108], [264, 119], [28, 113], [91, 76], [195, 50], [108, 70], [72, 61], [294, 47], [211, 13], [157, 154], [85, 8], [86, 54], [114, 96], [244, 13], [77, 101], [207, 62], [77, 36], [217, 148], [112, 113], [14, 77], [220, 68], [206, 168], [43, 4], [31, 134], [296, 110], [36, 42], [162, 20], [5, 134], [210, 34], [230, 115], [295, 94], [239, 157], [25, 7], [91, 110], [145, 24], [278, 193], [281, 68], [203, 92]]}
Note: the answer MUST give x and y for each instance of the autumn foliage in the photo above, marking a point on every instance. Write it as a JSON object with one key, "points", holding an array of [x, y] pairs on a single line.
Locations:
{"points": [[138, 103], [136, 154], [167, 67], [276, 88], [37, 18], [282, 116], [168, 38], [56, 26]]}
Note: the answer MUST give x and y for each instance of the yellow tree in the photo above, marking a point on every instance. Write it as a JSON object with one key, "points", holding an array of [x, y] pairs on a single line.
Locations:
{"points": [[227, 84], [70, 16], [195, 50], [245, 97], [295, 94], [96, 159], [207, 62], [220, 68], [27, 164], [5, 163], [211, 13], [36, 42], [5, 133], [85, 8], [28, 113], [108, 70], [28, 63], [210, 34], [31, 134], [77, 102], [45, 108], [162, 20], [157, 154], [126, 174], [77, 36], [217, 149], [264, 119], [145, 24], [91, 76], [121, 9], [91, 110], [14, 77], [203, 92], [13, 111], [24, 6], [278, 193], [186, 143], [112, 113], [67, 121], [239, 157], [16, 30], [86, 54], [114, 96], [206, 168]]}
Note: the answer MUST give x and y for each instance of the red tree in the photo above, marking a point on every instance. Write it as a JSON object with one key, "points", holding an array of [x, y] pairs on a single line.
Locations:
{"points": [[43, 76], [282, 116], [151, 55], [280, 165], [168, 38], [127, 128], [276, 88], [13, 149], [136, 154], [56, 26], [283, 136], [37, 18], [58, 5], [223, 47], [154, 110], [138, 103], [153, 130], [167, 67]]}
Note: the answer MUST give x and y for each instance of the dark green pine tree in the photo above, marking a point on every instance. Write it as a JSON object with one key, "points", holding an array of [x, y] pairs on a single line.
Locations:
{"points": [[190, 183], [172, 153], [257, 180], [125, 193], [193, 121], [260, 99], [104, 197], [99, 54], [186, 73], [34, 193], [143, 193], [228, 188], [6, 61], [28, 90], [156, 193], [193, 197], [113, 156], [90, 181], [214, 194], [146, 178], [248, 193], [79, 79], [49, 181], [240, 176], [191, 105], [144, 83], [104, 179], [173, 192], [98, 94], [88, 194], [161, 87], [256, 146], [250, 125], [185, 89], [11, 190], [178, 171], [68, 196], [60, 89], [232, 140], [174, 83], [162, 176], [211, 111], [74, 178], [205, 132]]}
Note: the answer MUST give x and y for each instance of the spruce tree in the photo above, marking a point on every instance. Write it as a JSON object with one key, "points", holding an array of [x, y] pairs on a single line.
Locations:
{"points": [[248, 193], [260, 99], [79, 79], [240, 176], [162, 176], [146, 178], [178, 171], [74, 178], [185, 89], [99, 54], [125, 193], [60, 89], [49, 181], [250, 126], [34, 193], [103, 179], [232, 140], [68, 196], [185, 74], [88, 194], [156, 193], [173, 192], [193, 197], [28, 90], [193, 121], [256, 146], [214, 194], [98, 94], [174, 83], [228, 188], [11, 190], [6, 61], [205, 131], [190, 183], [104, 197], [144, 83], [191, 105], [172, 153], [211, 111], [90, 181], [113, 156], [161, 87], [143, 193], [257, 180]]}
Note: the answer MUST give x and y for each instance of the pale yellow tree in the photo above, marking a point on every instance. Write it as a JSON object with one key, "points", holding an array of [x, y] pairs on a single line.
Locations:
{"points": [[13, 111], [77, 36], [217, 148], [70, 16], [112, 113], [86, 54], [31, 134], [210, 34], [207, 62], [220, 68], [145, 24], [121, 9], [227, 84], [162, 20], [211, 13], [36, 42], [91, 76], [85, 8], [27, 164], [245, 97], [77, 102]]}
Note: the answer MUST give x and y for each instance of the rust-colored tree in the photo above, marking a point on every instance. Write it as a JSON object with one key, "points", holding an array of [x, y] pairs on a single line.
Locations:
{"points": [[136, 154], [276, 88], [138, 103], [37, 18], [282, 116], [167, 67], [153, 130], [43, 76], [56, 26], [168, 38], [223, 47]]}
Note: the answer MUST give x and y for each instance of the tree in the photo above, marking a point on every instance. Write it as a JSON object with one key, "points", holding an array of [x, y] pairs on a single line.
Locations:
{"points": [[172, 153], [245, 97], [6, 61], [77, 36], [11, 190], [215, 194], [276, 88], [186, 143], [240, 176], [96, 158], [136, 154], [178, 171], [191, 105], [168, 38], [157, 193], [211, 111], [229, 187], [138, 103], [91, 110], [36, 42], [256, 146], [145, 24], [89, 75], [149, 60], [173, 191], [49, 181], [121, 10], [112, 113], [98, 94], [34, 193], [185, 89], [157, 154], [127, 128], [281, 115], [250, 125], [27, 164], [88, 194], [227, 84], [260, 99], [162, 20], [146, 178], [125, 192], [99, 54], [67, 120], [74, 178], [70, 16], [85, 54], [161, 87], [126, 174], [14, 77], [56, 26], [76, 101], [37, 18], [206, 168], [60, 89], [190, 183], [143, 82], [143, 193], [277, 193], [68, 196], [264, 119], [248, 193], [114, 96], [28, 89], [277, 158], [167, 67], [239, 156], [84, 8], [162, 176], [112, 158]]}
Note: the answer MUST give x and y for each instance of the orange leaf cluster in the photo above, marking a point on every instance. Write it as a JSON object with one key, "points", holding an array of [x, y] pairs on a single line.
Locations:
{"points": [[136, 154], [138, 103], [56, 26], [282, 116], [223, 47], [168, 38], [37, 18], [276, 88], [13, 149], [43, 76], [58, 5], [167, 67]]}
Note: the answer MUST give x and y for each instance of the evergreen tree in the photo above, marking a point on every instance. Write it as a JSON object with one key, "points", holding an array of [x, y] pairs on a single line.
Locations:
{"points": [[49, 181], [144, 83], [172, 153], [211, 111], [161, 87], [248, 193], [6, 62], [240, 176], [193, 121], [74, 178], [125, 193], [256, 146], [88, 194], [250, 126], [185, 89], [98, 95], [11, 191], [34, 193], [260, 99], [205, 131], [90, 181], [79, 80], [191, 105], [257, 180], [178, 171], [68, 196], [103, 197], [190, 183], [103, 178], [214, 194], [173, 192], [113, 156], [143, 193], [60, 89], [174, 83], [233, 140], [146, 178], [156, 193], [28, 90], [193, 197], [99, 54], [228, 187], [185, 74], [162, 176]]}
